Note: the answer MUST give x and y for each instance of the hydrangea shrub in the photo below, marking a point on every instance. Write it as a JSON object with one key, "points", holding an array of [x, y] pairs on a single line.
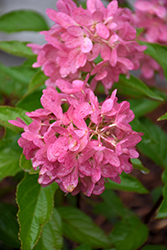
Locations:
{"points": [[81, 117]]}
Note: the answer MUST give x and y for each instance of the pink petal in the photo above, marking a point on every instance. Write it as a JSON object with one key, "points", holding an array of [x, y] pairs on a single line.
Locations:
{"points": [[112, 158], [126, 62], [143, 5], [66, 6], [86, 45], [112, 8], [97, 16], [64, 20], [75, 31], [113, 58], [102, 30], [108, 171], [70, 181], [107, 105]]}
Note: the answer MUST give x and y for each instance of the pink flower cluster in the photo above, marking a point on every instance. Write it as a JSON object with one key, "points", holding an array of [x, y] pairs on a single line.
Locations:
{"points": [[77, 141], [151, 17], [80, 35]]}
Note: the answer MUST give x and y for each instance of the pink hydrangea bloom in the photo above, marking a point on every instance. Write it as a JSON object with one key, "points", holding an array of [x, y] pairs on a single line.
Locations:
{"points": [[80, 35], [151, 16], [82, 146]]}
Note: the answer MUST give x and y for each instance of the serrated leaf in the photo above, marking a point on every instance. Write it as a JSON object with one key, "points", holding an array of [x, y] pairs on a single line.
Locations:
{"points": [[153, 142], [22, 20], [35, 208], [27, 165], [16, 48], [8, 225], [112, 206], [9, 113], [31, 101], [158, 52], [162, 212], [130, 233], [154, 247], [163, 117], [83, 247], [128, 183], [80, 228], [140, 87], [137, 164], [38, 80], [143, 106], [51, 234]]}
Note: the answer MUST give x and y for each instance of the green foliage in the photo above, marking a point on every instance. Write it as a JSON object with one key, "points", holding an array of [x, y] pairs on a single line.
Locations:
{"points": [[51, 237], [10, 113], [142, 106], [163, 117], [80, 228], [31, 101], [153, 142], [38, 79], [130, 233], [111, 206], [35, 208], [9, 227], [134, 84], [138, 165], [162, 212], [83, 247], [16, 48], [158, 52], [26, 165], [21, 20], [128, 183]]}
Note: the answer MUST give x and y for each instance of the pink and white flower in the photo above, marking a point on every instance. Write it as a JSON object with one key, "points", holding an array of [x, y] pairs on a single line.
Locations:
{"points": [[83, 145]]}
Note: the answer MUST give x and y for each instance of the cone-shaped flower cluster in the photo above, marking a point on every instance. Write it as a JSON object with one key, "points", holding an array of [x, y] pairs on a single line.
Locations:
{"points": [[77, 141], [151, 17], [80, 35]]}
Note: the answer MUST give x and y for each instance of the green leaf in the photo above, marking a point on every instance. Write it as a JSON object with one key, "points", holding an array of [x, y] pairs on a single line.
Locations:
{"points": [[154, 247], [83, 247], [153, 142], [35, 207], [22, 20], [163, 117], [9, 155], [16, 78], [38, 80], [80, 228], [8, 225], [31, 101], [22, 73], [51, 238], [10, 113], [27, 165], [140, 87], [162, 212], [137, 164], [130, 233], [158, 52], [143, 106], [112, 206], [9, 162], [16, 48], [128, 183]]}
